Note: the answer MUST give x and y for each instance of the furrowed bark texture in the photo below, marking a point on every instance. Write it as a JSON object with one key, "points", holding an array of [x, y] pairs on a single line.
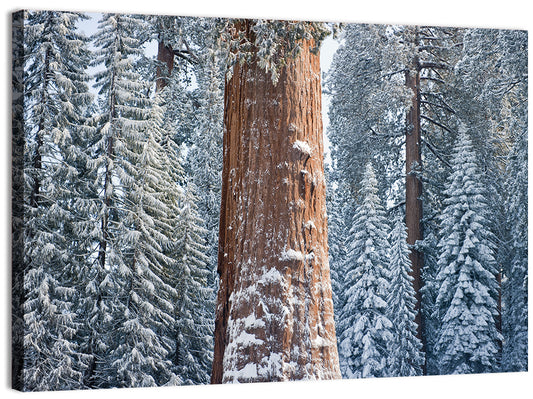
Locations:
{"points": [[413, 190], [274, 317]]}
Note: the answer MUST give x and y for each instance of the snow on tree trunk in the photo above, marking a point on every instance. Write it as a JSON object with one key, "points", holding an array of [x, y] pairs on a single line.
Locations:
{"points": [[274, 316]]}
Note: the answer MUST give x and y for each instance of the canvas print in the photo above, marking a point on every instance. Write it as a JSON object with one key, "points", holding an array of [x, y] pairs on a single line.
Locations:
{"points": [[215, 200]]}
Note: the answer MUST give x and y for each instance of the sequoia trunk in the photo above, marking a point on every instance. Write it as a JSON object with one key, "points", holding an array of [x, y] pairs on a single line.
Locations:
{"points": [[274, 316]]}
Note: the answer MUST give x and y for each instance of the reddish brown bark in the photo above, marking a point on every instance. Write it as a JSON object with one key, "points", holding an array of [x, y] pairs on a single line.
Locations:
{"points": [[274, 316], [413, 189], [165, 55]]}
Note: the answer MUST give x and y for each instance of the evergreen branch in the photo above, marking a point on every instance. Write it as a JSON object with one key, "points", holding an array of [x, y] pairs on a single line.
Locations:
{"points": [[186, 55], [390, 74]]}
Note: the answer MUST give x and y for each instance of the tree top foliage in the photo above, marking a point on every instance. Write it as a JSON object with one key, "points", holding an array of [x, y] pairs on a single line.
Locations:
{"points": [[268, 42]]}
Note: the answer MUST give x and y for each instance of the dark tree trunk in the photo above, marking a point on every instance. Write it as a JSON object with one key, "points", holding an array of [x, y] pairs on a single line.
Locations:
{"points": [[165, 55], [275, 288], [413, 189]]}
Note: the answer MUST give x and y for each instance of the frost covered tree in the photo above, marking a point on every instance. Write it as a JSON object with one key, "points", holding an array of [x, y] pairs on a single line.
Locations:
{"points": [[367, 332], [338, 214], [124, 110], [467, 301], [406, 357], [180, 39], [493, 75], [274, 318], [515, 312], [190, 120], [194, 300], [491, 85], [388, 87], [57, 96], [123, 105], [141, 357], [205, 155], [361, 98], [17, 200]]}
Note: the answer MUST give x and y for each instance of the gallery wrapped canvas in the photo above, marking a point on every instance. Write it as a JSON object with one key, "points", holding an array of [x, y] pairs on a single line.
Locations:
{"points": [[186, 211]]}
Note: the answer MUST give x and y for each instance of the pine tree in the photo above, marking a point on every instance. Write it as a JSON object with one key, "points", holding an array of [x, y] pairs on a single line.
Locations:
{"points": [[338, 214], [190, 120], [367, 332], [205, 155], [466, 304], [406, 356], [194, 301], [57, 96], [142, 355], [515, 312], [17, 200], [363, 89], [388, 87], [122, 121]]}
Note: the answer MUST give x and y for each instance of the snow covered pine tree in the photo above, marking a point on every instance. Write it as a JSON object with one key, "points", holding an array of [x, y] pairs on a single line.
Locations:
{"points": [[406, 356], [466, 304], [56, 96], [366, 329], [274, 316]]}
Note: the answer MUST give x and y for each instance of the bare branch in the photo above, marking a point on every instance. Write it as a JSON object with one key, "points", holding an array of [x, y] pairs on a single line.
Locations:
{"points": [[436, 123], [435, 152], [444, 107], [432, 65], [432, 79]]}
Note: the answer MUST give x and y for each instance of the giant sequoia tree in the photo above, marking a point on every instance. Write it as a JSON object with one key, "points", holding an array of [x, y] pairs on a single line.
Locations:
{"points": [[274, 317]]}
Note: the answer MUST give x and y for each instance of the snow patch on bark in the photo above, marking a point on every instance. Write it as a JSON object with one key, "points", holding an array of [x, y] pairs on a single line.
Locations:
{"points": [[270, 276], [245, 339], [271, 366], [302, 146], [247, 373], [319, 342], [310, 225], [291, 254], [252, 322]]}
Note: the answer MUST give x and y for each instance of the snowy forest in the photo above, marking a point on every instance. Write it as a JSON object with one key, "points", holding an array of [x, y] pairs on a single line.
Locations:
{"points": [[183, 214]]}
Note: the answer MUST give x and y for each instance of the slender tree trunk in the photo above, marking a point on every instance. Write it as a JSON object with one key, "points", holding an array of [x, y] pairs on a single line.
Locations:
{"points": [[274, 316], [413, 189], [165, 55]]}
